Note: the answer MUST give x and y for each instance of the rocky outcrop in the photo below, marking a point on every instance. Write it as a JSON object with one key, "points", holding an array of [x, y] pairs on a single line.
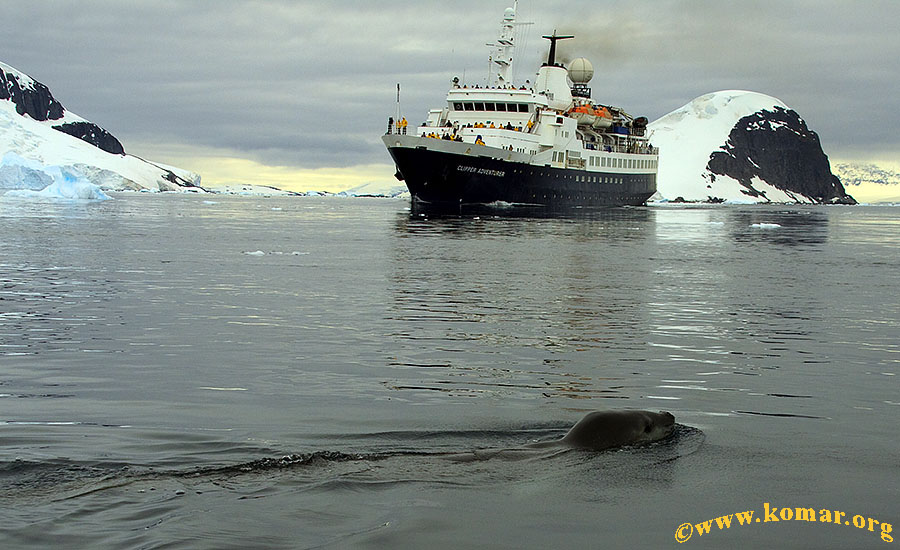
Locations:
{"points": [[776, 147], [93, 134], [34, 99]]}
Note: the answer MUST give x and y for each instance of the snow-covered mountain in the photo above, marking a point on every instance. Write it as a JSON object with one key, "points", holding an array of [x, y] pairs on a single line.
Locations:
{"points": [[742, 146], [43, 144]]}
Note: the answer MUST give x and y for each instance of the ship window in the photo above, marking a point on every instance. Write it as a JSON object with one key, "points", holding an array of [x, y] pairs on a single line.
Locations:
{"points": [[479, 106], [523, 108], [488, 106], [469, 106], [457, 107], [501, 106]]}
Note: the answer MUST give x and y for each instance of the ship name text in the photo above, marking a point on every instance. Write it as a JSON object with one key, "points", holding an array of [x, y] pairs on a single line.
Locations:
{"points": [[483, 171]]}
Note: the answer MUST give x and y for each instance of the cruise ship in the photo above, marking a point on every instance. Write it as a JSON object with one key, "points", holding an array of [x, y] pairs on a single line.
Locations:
{"points": [[541, 143]]}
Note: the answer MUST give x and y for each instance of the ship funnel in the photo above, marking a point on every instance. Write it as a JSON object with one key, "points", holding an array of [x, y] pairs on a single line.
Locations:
{"points": [[551, 59]]}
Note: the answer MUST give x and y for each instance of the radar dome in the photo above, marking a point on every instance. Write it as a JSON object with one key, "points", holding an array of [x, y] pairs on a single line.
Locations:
{"points": [[581, 71], [509, 14]]}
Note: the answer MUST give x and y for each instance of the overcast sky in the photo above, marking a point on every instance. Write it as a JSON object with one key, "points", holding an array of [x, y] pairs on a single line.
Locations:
{"points": [[309, 85]]}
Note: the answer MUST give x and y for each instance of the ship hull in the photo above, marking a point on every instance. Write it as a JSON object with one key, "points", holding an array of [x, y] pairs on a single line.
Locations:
{"points": [[448, 178]]}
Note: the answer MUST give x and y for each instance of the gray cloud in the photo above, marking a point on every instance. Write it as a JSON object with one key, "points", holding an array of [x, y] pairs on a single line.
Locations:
{"points": [[311, 83]]}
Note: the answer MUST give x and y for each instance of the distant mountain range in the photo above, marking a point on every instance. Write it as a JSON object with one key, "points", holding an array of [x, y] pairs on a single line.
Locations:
{"points": [[852, 174], [41, 142]]}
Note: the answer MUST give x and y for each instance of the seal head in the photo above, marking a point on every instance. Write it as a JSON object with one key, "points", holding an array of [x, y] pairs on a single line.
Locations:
{"points": [[606, 429]]}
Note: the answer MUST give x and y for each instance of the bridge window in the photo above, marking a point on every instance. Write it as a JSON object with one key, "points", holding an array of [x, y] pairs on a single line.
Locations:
{"points": [[458, 106], [469, 106], [479, 106], [501, 106]]}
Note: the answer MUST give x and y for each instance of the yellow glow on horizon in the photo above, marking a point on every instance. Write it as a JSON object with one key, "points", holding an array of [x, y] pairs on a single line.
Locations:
{"points": [[869, 193], [221, 171], [872, 192]]}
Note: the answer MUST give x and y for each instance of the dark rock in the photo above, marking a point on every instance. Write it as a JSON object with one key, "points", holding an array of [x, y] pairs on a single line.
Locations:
{"points": [[93, 134], [35, 100], [777, 147]]}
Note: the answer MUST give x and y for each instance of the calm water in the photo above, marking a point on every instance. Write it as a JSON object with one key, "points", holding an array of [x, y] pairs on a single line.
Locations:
{"points": [[232, 372]]}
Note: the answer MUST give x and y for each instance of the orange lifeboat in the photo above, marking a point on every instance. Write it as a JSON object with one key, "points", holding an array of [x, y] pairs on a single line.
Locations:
{"points": [[583, 114], [602, 117]]}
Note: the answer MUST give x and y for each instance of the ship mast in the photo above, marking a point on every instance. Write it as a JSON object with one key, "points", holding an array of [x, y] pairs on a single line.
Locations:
{"points": [[501, 60]]}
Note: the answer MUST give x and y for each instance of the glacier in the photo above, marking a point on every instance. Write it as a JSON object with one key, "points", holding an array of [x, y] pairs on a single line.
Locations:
{"points": [[23, 178]]}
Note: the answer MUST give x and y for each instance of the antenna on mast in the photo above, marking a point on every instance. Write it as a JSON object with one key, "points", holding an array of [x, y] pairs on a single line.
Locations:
{"points": [[501, 61]]}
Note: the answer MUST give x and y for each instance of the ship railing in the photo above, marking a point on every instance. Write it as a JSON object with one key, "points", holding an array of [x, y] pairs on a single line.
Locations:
{"points": [[396, 127], [641, 150]]}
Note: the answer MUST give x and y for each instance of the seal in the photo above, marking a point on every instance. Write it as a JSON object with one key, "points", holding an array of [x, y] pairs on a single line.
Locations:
{"points": [[597, 431], [601, 430]]}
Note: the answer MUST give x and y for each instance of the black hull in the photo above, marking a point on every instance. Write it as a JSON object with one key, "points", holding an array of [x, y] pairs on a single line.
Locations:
{"points": [[450, 179]]}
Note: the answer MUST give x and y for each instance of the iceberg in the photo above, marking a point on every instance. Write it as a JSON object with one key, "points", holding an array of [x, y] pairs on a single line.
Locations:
{"points": [[24, 178]]}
